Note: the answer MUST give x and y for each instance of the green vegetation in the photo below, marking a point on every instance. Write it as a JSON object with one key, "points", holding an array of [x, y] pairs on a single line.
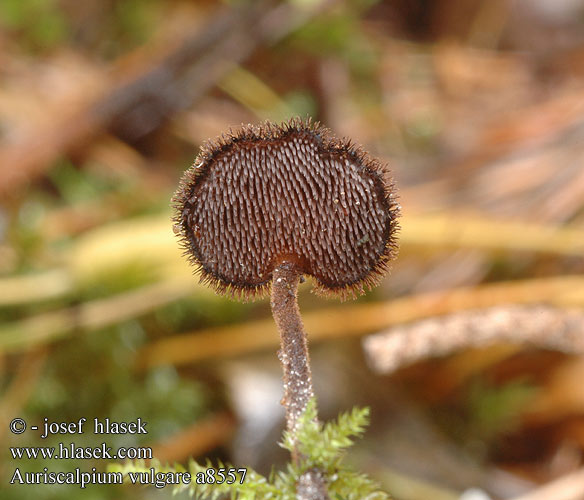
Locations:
{"points": [[322, 447]]}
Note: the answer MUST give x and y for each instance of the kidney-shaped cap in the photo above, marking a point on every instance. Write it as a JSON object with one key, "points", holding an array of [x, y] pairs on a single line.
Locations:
{"points": [[266, 194]]}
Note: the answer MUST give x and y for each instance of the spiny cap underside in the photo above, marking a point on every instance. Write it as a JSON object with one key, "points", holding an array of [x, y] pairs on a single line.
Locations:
{"points": [[292, 192]]}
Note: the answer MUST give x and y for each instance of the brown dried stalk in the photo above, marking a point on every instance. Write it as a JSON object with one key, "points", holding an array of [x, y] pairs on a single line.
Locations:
{"points": [[542, 326]]}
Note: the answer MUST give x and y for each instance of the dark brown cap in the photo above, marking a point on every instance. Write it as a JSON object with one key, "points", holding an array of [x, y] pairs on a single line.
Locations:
{"points": [[266, 194]]}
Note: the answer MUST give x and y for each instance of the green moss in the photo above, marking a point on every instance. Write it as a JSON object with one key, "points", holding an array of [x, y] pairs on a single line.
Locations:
{"points": [[322, 446]]}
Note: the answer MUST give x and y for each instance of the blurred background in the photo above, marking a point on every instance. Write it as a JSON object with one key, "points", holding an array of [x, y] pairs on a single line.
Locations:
{"points": [[469, 354]]}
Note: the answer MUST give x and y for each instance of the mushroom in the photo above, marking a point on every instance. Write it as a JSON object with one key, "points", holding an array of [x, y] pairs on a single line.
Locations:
{"points": [[266, 205]]}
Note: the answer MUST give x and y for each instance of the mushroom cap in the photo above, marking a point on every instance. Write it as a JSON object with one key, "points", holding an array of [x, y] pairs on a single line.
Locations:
{"points": [[266, 194]]}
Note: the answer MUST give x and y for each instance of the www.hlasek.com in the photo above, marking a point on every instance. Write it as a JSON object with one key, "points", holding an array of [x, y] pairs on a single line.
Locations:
{"points": [[72, 451], [81, 478]]}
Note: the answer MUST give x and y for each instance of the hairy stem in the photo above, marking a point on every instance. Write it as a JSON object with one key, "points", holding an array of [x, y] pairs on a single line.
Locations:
{"points": [[295, 361], [293, 353]]}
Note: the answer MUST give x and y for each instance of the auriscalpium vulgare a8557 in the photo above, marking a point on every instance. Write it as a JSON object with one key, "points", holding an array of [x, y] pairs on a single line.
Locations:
{"points": [[264, 205]]}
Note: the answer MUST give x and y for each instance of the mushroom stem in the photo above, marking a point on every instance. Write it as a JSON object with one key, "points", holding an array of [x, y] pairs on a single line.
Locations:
{"points": [[293, 353], [295, 361]]}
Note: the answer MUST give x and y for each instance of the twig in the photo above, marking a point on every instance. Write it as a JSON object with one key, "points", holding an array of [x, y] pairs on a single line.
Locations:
{"points": [[158, 91], [545, 327]]}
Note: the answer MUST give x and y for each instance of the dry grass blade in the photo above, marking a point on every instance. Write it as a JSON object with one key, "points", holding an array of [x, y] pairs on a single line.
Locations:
{"points": [[149, 239], [48, 327], [357, 320], [481, 232], [197, 439], [254, 94], [34, 288], [545, 327]]}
